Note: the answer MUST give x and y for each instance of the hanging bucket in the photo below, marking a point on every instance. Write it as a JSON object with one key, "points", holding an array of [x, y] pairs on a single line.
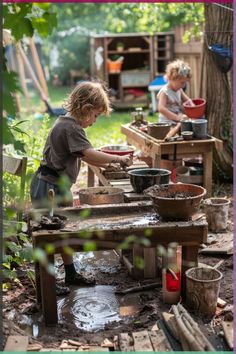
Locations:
{"points": [[202, 289], [217, 210]]}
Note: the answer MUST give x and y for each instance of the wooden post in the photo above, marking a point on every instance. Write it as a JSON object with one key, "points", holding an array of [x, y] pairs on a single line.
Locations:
{"points": [[30, 70], [38, 67], [22, 75], [16, 95]]}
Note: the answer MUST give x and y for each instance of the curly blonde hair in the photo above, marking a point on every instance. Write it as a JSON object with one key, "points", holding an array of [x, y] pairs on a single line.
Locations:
{"points": [[90, 93], [178, 69]]}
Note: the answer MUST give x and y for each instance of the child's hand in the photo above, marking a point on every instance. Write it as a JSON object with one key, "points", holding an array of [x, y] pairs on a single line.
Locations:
{"points": [[126, 161], [182, 117]]}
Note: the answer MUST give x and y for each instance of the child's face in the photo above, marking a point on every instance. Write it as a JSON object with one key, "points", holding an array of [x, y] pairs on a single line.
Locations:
{"points": [[90, 119], [178, 83]]}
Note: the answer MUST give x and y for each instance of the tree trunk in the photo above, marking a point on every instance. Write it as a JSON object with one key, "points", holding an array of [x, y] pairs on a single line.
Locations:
{"points": [[217, 88]]}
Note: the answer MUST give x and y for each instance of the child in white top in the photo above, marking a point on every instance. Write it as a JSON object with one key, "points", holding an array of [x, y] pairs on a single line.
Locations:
{"points": [[172, 96]]}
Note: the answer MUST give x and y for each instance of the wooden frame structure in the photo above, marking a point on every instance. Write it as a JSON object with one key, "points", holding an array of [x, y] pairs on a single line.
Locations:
{"points": [[188, 234], [156, 148]]}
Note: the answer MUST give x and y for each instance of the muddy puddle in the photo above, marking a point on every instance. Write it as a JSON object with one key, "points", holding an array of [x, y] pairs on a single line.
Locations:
{"points": [[127, 221], [91, 308]]}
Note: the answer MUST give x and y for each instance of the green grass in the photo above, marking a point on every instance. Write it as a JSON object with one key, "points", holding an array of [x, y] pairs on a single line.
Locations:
{"points": [[105, 131]]}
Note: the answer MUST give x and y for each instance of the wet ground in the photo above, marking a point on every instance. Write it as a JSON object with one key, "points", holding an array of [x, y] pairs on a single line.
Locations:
{"points": [[91, 314]]}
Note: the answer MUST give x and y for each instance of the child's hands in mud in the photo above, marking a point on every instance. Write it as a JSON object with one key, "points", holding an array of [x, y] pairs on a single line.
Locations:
{"points": [[126, 161]]}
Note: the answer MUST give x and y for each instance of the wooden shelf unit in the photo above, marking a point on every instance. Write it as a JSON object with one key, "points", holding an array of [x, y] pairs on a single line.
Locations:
{"points": [[144, 57]]}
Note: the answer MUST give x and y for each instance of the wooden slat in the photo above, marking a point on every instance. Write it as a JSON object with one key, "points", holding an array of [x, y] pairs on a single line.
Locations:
{"points": [[125, 342], [228, 331], [159, 341], [142, 342], [16, 344], [11, 164], [150, 262]]}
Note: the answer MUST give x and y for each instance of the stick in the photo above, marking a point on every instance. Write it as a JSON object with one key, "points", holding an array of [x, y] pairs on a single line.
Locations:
{"points": [[138, 288], [184, 332], [195, 326], [173, 131]]}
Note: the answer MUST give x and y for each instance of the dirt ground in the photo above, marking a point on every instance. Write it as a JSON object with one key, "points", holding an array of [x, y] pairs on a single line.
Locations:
{"points": [[20, 305]]}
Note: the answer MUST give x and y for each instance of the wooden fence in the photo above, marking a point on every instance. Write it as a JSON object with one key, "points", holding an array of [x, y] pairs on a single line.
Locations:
{"points": [[190, 52]]}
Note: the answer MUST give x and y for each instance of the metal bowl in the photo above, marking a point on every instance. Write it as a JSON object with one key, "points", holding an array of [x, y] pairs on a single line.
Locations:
{"points": [[176, 201], [118, 150], [187, 135], [143, 178], [101, 195]]}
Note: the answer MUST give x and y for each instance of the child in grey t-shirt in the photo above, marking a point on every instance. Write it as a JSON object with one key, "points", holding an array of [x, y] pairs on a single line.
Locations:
{"points": [[65, 147]]}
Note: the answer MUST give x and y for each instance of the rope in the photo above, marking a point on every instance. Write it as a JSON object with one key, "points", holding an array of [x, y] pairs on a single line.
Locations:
{"points": [[224, 7]]}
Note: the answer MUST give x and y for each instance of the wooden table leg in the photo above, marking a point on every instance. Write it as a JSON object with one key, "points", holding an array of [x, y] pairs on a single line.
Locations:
{"points": [[189, 260], [48, 293], [137, 252], [91, 177], [156, 162], [150, 262], [207, 172], [37, 282]]}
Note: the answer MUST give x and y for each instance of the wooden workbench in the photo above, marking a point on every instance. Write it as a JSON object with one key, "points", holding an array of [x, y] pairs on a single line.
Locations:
{"points": [[156, 148], [108, 226]]}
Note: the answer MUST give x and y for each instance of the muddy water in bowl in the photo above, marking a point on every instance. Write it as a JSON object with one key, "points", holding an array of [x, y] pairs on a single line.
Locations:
{"points": [[176, 201]]}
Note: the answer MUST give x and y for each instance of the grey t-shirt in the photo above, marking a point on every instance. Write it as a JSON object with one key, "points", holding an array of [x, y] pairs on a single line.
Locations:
{"points": [[64, 148]]}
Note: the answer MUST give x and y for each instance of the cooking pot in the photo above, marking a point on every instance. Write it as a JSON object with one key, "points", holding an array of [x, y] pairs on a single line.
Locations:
{"points": [[159, 130], [143, 178], [101, 195], [176, 201]]}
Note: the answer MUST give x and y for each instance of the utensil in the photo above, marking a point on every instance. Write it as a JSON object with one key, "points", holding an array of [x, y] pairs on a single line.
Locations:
{"points": [[51, 197]]}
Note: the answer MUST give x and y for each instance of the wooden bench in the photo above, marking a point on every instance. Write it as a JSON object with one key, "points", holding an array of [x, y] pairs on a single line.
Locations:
{"points": [[101, 218]]}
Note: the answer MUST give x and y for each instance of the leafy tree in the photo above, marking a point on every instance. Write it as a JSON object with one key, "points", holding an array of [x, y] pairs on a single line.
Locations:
{"points": [[218, 87], [77, 22], [22, 20]]}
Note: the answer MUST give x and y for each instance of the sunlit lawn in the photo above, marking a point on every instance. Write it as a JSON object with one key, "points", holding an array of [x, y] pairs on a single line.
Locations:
{"points": [[105, 131]]}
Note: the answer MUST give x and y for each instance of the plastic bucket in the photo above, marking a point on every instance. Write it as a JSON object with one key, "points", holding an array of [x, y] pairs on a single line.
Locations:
{"points": [[202, 289], [199, 128], [217, 210]]}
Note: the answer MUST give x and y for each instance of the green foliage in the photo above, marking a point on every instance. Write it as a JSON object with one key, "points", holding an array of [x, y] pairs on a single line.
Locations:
{"points": [[77, 22]]}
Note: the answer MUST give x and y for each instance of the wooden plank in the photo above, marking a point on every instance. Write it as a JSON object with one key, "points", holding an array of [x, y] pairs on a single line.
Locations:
{"points": [[159, 341], [228, 332], [16, 344], [142, 342], [125, 342], [137, 254], [11, 164], [150, 262]]}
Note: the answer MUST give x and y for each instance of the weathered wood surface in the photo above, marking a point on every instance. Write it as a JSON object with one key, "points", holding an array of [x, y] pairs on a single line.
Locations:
{"points": [[16, 344], [144, 341], [229, 333]]}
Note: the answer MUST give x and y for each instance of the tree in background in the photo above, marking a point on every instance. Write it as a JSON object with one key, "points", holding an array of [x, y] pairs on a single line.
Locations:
{"points": [[77, 22], [217, 86]]}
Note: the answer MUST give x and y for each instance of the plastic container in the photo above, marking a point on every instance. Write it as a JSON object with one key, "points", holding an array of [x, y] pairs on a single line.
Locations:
{"points": [[171, 277]]}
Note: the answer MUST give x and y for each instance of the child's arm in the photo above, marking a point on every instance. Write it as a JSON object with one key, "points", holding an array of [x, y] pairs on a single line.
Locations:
{"points": [[99, 158], [165, 111], [185, 98]]}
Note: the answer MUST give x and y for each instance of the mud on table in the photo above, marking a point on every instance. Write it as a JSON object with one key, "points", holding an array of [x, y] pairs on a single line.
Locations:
{"points": [[108, 226]]}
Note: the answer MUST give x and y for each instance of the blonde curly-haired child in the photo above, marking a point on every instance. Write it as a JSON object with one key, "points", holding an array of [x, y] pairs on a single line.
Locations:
{"points": [[171, 97]]}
